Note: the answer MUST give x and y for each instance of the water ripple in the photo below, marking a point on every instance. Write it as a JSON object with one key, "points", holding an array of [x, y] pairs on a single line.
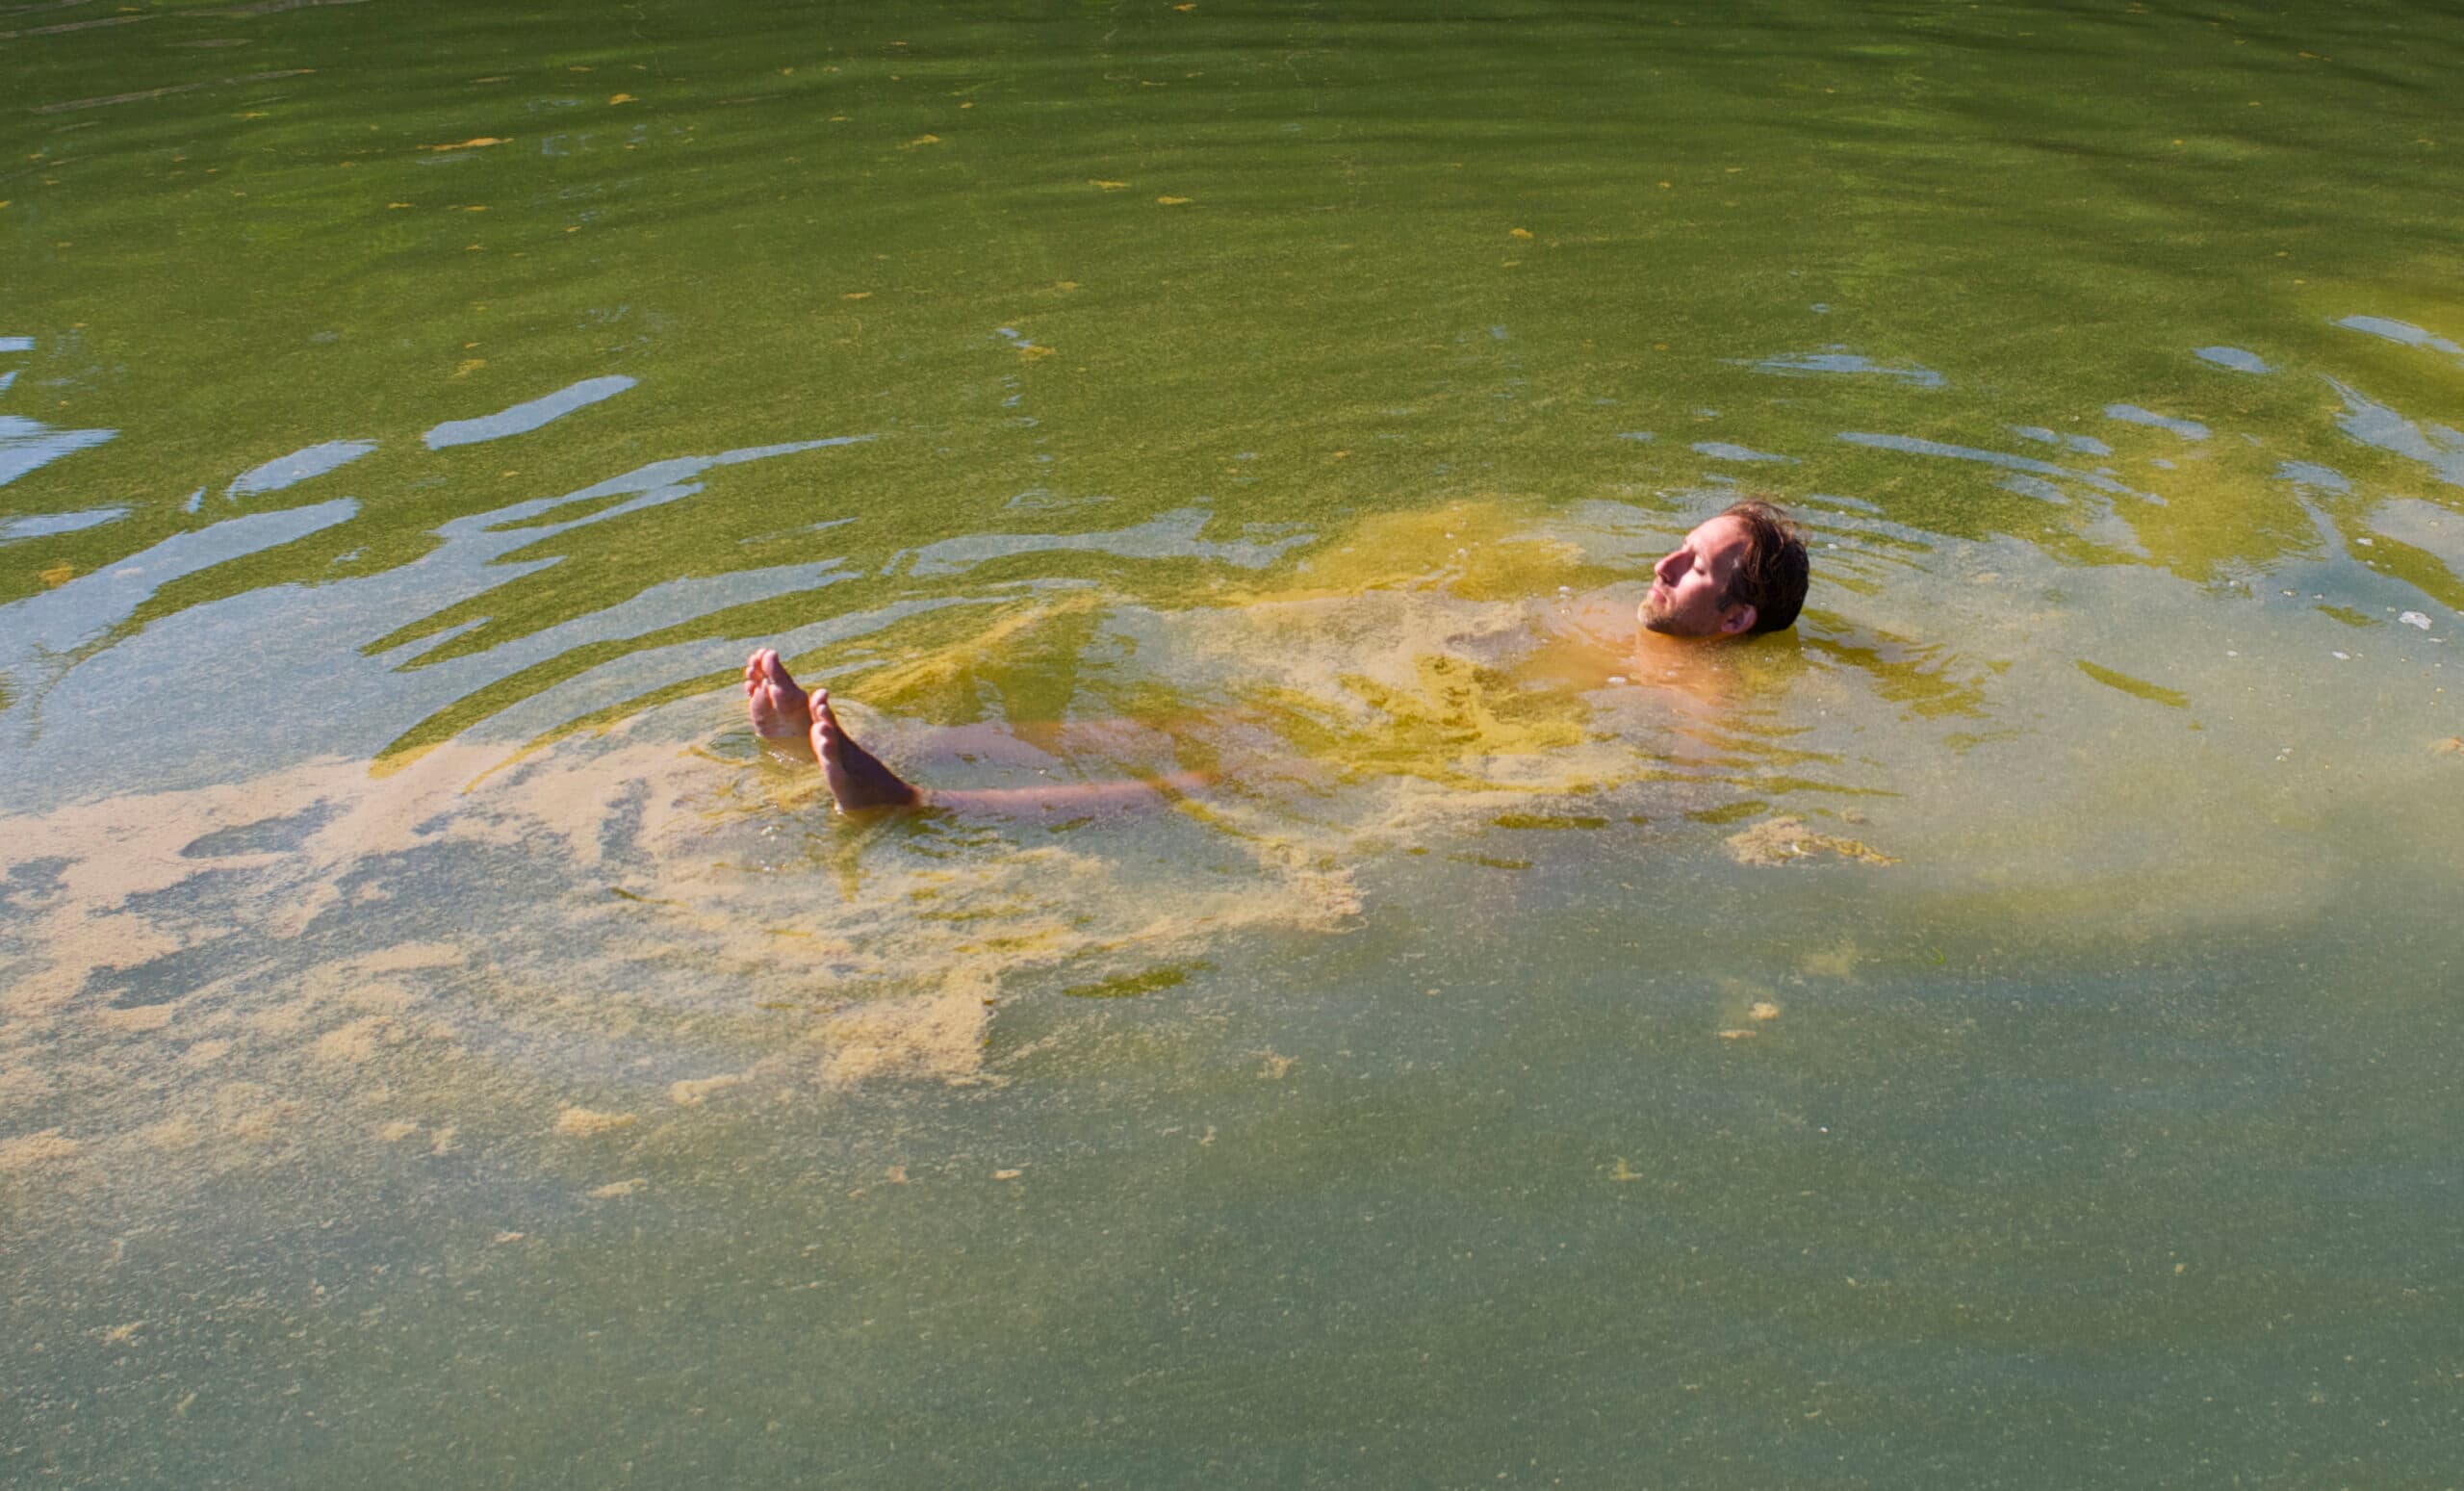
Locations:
{"points": [[289, 471], [54, 624], [2403, 332], [2086, 445], [2374, 424], [27, 444], [2232, 357], [2132, 414], [2310, 474], [1172, 535], [523, 418], [659, 481], [45, 525], [1910, 445], [1722, 450], [1800, 365]]}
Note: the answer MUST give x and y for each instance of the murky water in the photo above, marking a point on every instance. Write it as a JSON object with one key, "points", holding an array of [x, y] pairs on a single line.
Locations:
{"points": [[1999, 1033]]}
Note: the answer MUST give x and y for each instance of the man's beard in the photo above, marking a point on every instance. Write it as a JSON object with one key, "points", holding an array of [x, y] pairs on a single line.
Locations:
{"points": [[1656, 616]]}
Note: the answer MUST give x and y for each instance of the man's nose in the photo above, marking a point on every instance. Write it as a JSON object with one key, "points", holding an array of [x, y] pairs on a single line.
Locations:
{"points": [[1668, 569]]}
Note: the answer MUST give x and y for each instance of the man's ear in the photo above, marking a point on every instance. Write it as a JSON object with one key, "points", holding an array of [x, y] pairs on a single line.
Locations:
{"points": [[1736, 619]]}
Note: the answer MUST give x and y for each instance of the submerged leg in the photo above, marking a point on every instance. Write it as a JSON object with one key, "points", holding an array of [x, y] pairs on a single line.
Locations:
{"points": [[784, 713], [857, 777]]}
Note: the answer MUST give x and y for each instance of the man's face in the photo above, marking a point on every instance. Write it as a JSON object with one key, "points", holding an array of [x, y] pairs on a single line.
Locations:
{"points": [[1686, 585]]}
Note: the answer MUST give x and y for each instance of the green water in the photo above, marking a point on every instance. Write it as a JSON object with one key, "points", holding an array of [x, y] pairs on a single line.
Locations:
{"points": [[436, 1045]]}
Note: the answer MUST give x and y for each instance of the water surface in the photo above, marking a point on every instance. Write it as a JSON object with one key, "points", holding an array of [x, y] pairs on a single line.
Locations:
{"points": [[1996, 1034]]}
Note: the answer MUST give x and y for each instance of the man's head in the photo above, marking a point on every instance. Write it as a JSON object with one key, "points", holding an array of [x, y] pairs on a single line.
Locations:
{"points": [[1741, 572]]}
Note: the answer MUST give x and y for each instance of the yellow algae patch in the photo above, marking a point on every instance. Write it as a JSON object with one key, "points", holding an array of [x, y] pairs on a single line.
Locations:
{"points": [[2137, 689], [1738, 1034], [1109, 186], [26, 1152], [939, 1037], [1324, 900], [477, 143], [244, 1111], [20, 1085], [1475, 550], [1451, 721], [1743, 1004], [693, 1090], [617, 1190], [405, 956], [171, 1135], [1131, 986], [962, 656], [2452, 745], [1405, 707], [381, 998], [80, 946], [355, 1043], [1172, 202], [281, 1020], [119, 850], [580, 1122], [1786, 840], [655, 892]]}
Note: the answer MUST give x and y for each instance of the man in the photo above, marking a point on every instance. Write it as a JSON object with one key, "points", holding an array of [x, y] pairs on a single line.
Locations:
{"points": [[1739, 574]]}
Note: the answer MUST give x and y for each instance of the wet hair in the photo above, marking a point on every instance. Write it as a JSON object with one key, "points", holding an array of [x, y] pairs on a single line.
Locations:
{"points": [[1772, 575]]}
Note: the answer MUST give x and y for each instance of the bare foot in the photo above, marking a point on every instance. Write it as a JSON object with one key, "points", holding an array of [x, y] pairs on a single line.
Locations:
{"points": [[857, 777], [780, 709]]}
